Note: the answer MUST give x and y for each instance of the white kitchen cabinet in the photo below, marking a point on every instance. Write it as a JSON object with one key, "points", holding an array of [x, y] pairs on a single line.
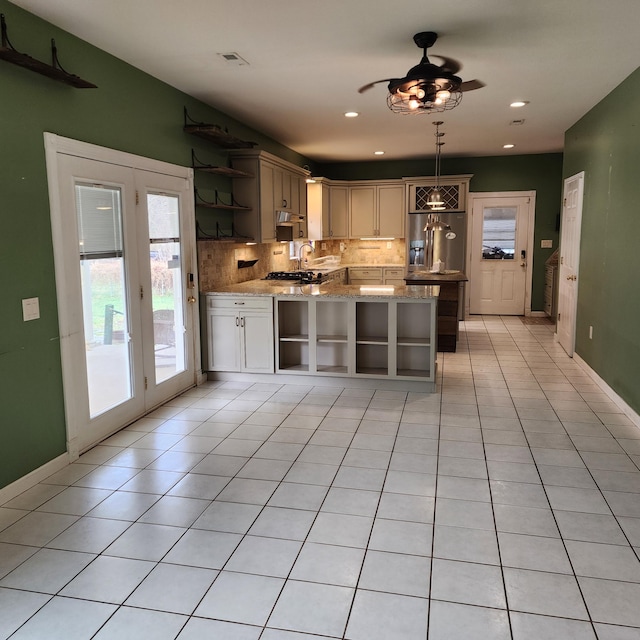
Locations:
{"points": [[377, 210], [338, 220], [328, 210], [277, 185], [240, 334]]}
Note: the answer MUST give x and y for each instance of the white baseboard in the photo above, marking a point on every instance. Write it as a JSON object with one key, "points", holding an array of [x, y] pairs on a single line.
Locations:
{"points": [[31, 479], [613, 396]]}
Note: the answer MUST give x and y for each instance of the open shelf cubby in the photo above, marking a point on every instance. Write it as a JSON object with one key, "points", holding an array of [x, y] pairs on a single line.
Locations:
{"points": [[332, 318], [293, 320], [332, 357], [372, 359], [372, 323], [293, 356]]}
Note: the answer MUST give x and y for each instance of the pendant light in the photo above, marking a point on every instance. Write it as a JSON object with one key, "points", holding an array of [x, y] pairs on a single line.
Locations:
{"points": [[435, 202]]}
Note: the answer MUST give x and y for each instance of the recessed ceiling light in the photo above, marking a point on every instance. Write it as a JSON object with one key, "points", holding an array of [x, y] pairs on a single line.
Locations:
{"points": [[508, 146], [351, 114], [519, 103], [378, 153]]}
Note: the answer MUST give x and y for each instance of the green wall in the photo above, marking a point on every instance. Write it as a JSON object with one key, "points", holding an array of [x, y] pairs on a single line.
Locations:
{"points": [[130, 111], [540, 173], [605, 144]]}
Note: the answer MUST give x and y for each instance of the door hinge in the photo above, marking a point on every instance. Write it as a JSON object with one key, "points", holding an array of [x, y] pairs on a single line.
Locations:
{"points": [[146, 383], [564, 202], [141, 292], [559, 317], [137, 197]]}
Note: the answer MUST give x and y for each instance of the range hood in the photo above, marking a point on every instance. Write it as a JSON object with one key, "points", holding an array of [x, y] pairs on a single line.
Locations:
{"points": [[287, 219]]}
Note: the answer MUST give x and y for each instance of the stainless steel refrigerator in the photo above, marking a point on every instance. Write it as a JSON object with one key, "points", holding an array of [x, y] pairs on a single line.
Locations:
{"points": [[450, 250]]}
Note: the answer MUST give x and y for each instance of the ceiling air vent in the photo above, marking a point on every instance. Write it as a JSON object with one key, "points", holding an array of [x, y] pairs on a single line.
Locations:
{"points": [[234, 58]]}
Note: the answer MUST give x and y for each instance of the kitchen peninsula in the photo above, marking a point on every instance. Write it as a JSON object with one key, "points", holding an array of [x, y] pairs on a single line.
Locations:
{"points": [[376, 332]]}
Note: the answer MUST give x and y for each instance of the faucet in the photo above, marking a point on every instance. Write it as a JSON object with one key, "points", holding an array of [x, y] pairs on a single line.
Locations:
{"points": [[302, 246]]}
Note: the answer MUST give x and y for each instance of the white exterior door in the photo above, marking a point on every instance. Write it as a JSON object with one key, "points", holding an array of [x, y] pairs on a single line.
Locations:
{"points": [[569, 262], [124, 251], [501, 243]]}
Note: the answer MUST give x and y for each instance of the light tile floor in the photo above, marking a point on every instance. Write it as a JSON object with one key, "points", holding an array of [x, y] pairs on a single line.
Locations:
{"points": [[504, 506]]}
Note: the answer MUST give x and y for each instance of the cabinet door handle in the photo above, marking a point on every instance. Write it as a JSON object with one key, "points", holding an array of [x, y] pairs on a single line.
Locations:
{"points": [[284, 204], [237, 321], [242, 322], [238, 303]]}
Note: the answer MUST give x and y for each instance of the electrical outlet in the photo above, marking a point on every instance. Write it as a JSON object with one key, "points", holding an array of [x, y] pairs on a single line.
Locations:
{"points": [[389, 245], [323, 246], [590, 332]]}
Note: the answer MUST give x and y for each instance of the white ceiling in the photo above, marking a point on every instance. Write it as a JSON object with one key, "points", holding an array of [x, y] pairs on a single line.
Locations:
{"points": [[307, 60]]}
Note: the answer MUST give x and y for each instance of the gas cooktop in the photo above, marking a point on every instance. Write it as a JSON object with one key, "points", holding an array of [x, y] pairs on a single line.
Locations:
{"points": [[303, 277]]}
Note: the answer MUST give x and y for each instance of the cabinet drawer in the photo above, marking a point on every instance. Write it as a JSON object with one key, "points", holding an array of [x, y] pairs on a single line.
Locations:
{"points": [[358, 273], [394, 272], [263, 303]]}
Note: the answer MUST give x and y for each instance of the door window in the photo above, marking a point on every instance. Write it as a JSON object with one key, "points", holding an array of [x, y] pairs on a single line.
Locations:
{"points": [[104, 296], [499, 233], [166, 285]]}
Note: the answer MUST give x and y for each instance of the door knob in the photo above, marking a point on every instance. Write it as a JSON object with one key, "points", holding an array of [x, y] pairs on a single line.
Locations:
{"points": [[191, 299]]}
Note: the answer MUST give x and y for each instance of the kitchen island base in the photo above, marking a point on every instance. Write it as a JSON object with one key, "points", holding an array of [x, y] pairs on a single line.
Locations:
{"points": [[344, 333]]}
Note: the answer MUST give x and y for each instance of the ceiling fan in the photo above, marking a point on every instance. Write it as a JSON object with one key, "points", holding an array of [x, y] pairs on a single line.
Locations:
{"points": [[427, 87]]}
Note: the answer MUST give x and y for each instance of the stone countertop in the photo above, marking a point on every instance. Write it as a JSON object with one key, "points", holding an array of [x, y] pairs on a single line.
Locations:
{"points": [[428, 276], [327, 290]]}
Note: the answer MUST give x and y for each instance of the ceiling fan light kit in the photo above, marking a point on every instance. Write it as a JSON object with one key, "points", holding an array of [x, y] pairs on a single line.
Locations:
{"points": [[427, 87]]}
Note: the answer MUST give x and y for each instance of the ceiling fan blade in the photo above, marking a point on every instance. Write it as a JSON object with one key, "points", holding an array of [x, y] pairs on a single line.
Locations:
{"points": [[449, 64], [470, 85], [366, 87]]}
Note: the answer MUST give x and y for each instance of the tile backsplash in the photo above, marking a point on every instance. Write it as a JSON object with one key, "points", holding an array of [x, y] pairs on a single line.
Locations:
{"points": [[218, 261]]}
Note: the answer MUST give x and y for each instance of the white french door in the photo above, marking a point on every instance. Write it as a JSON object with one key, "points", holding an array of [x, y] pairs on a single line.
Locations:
{"points": [[571, 226], [125, 267], [500, 249]]}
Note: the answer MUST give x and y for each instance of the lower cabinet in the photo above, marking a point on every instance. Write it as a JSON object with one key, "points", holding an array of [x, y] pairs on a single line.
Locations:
{"points": [[360, 338], [240, 334], [365, 275], [376, 275]]}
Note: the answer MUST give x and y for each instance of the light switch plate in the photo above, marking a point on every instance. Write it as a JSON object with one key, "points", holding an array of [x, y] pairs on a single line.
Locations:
{"points": [[30, 309], [546, 244]]}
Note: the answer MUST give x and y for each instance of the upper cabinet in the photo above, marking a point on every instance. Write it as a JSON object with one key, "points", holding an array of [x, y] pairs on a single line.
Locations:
{"points": [[377, 209], [453, 189], [277, 196], [328, 209]]}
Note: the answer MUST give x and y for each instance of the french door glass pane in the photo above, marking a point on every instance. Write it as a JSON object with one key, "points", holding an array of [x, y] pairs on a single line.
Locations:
{"points": [[104, 297], [499, 233], [166, 285]]}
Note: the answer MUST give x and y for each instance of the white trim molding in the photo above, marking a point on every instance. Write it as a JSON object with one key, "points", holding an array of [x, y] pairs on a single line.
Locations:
{"points": [[32, 479], [613, 396]]}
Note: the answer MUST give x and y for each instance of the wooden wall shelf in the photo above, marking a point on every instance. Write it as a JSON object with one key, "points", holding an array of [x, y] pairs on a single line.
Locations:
{"points": [[214, 133], [53, 71]]}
